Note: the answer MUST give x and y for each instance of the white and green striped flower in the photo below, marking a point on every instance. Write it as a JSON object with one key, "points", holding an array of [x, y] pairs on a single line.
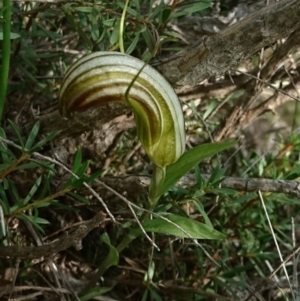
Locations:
{"points": [[103, 77]]}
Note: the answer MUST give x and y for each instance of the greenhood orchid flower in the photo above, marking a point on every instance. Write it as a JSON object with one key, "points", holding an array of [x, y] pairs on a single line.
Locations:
{"points": [[103, 77]]}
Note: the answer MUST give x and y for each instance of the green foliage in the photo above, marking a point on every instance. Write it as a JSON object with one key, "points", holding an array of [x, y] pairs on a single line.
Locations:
{"points": [[13, 35], [231, 224], [191, 6], [113, 255], [179, 226], [96, 291], [188, 160], [40, 194]]}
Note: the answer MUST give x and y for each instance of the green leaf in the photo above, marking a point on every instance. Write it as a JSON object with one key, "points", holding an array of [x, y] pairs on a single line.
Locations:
{"points": [[29, 57], [40, 144], [210, 108], [113, 255], [201, 183], [34, 220], [59, 205], [40, 220], [195, 229], [136, 3], [225, 192], [3, 146], [74, 182], [79, 198], [102, 36], [129, 10], [32, 191], [166, 14], [217, 176], [94, 292], [155, 295], [192, 7], [77, 161], [115, 33], [77, 182], [13, 35], [34, 164], [32, 136], [95, 33], [77, 26], [46, 189], [238, 270], [145, 295], [5, 182], [149, 39], [94, 176], [150, 273], [84, 9], [3, 200], [82, 169], [16, 130], [200, 208], [42, 205], [155, 11], [188, 160], [13, 191], [6, 154], [5, 166], [133, 44], [28, 74], [108, 22], [52, 35]]}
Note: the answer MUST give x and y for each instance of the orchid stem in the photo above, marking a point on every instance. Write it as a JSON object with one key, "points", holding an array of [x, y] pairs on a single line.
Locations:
{"points": [[122, 23], [157, 181]]}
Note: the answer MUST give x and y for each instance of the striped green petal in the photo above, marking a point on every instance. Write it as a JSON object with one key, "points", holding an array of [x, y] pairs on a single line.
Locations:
{"points": [[102, 77]]}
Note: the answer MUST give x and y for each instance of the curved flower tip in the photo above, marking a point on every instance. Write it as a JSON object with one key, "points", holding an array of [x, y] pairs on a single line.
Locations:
{"points": [[102, 77]]}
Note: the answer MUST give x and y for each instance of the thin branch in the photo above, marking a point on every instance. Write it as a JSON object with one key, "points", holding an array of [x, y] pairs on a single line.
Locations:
{"points": [[291, 188], [270, 85], [62, 243], [273, 101]]}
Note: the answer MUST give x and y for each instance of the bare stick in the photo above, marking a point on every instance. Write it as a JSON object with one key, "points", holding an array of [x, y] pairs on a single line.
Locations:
{"points": [[63, 242]]}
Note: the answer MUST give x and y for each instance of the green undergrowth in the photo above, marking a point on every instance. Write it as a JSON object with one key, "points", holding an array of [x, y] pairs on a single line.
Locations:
{"points": [[200, 241]]}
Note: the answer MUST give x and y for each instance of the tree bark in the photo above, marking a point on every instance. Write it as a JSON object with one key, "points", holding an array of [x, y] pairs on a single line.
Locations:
{"points": [[218, 53]]}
